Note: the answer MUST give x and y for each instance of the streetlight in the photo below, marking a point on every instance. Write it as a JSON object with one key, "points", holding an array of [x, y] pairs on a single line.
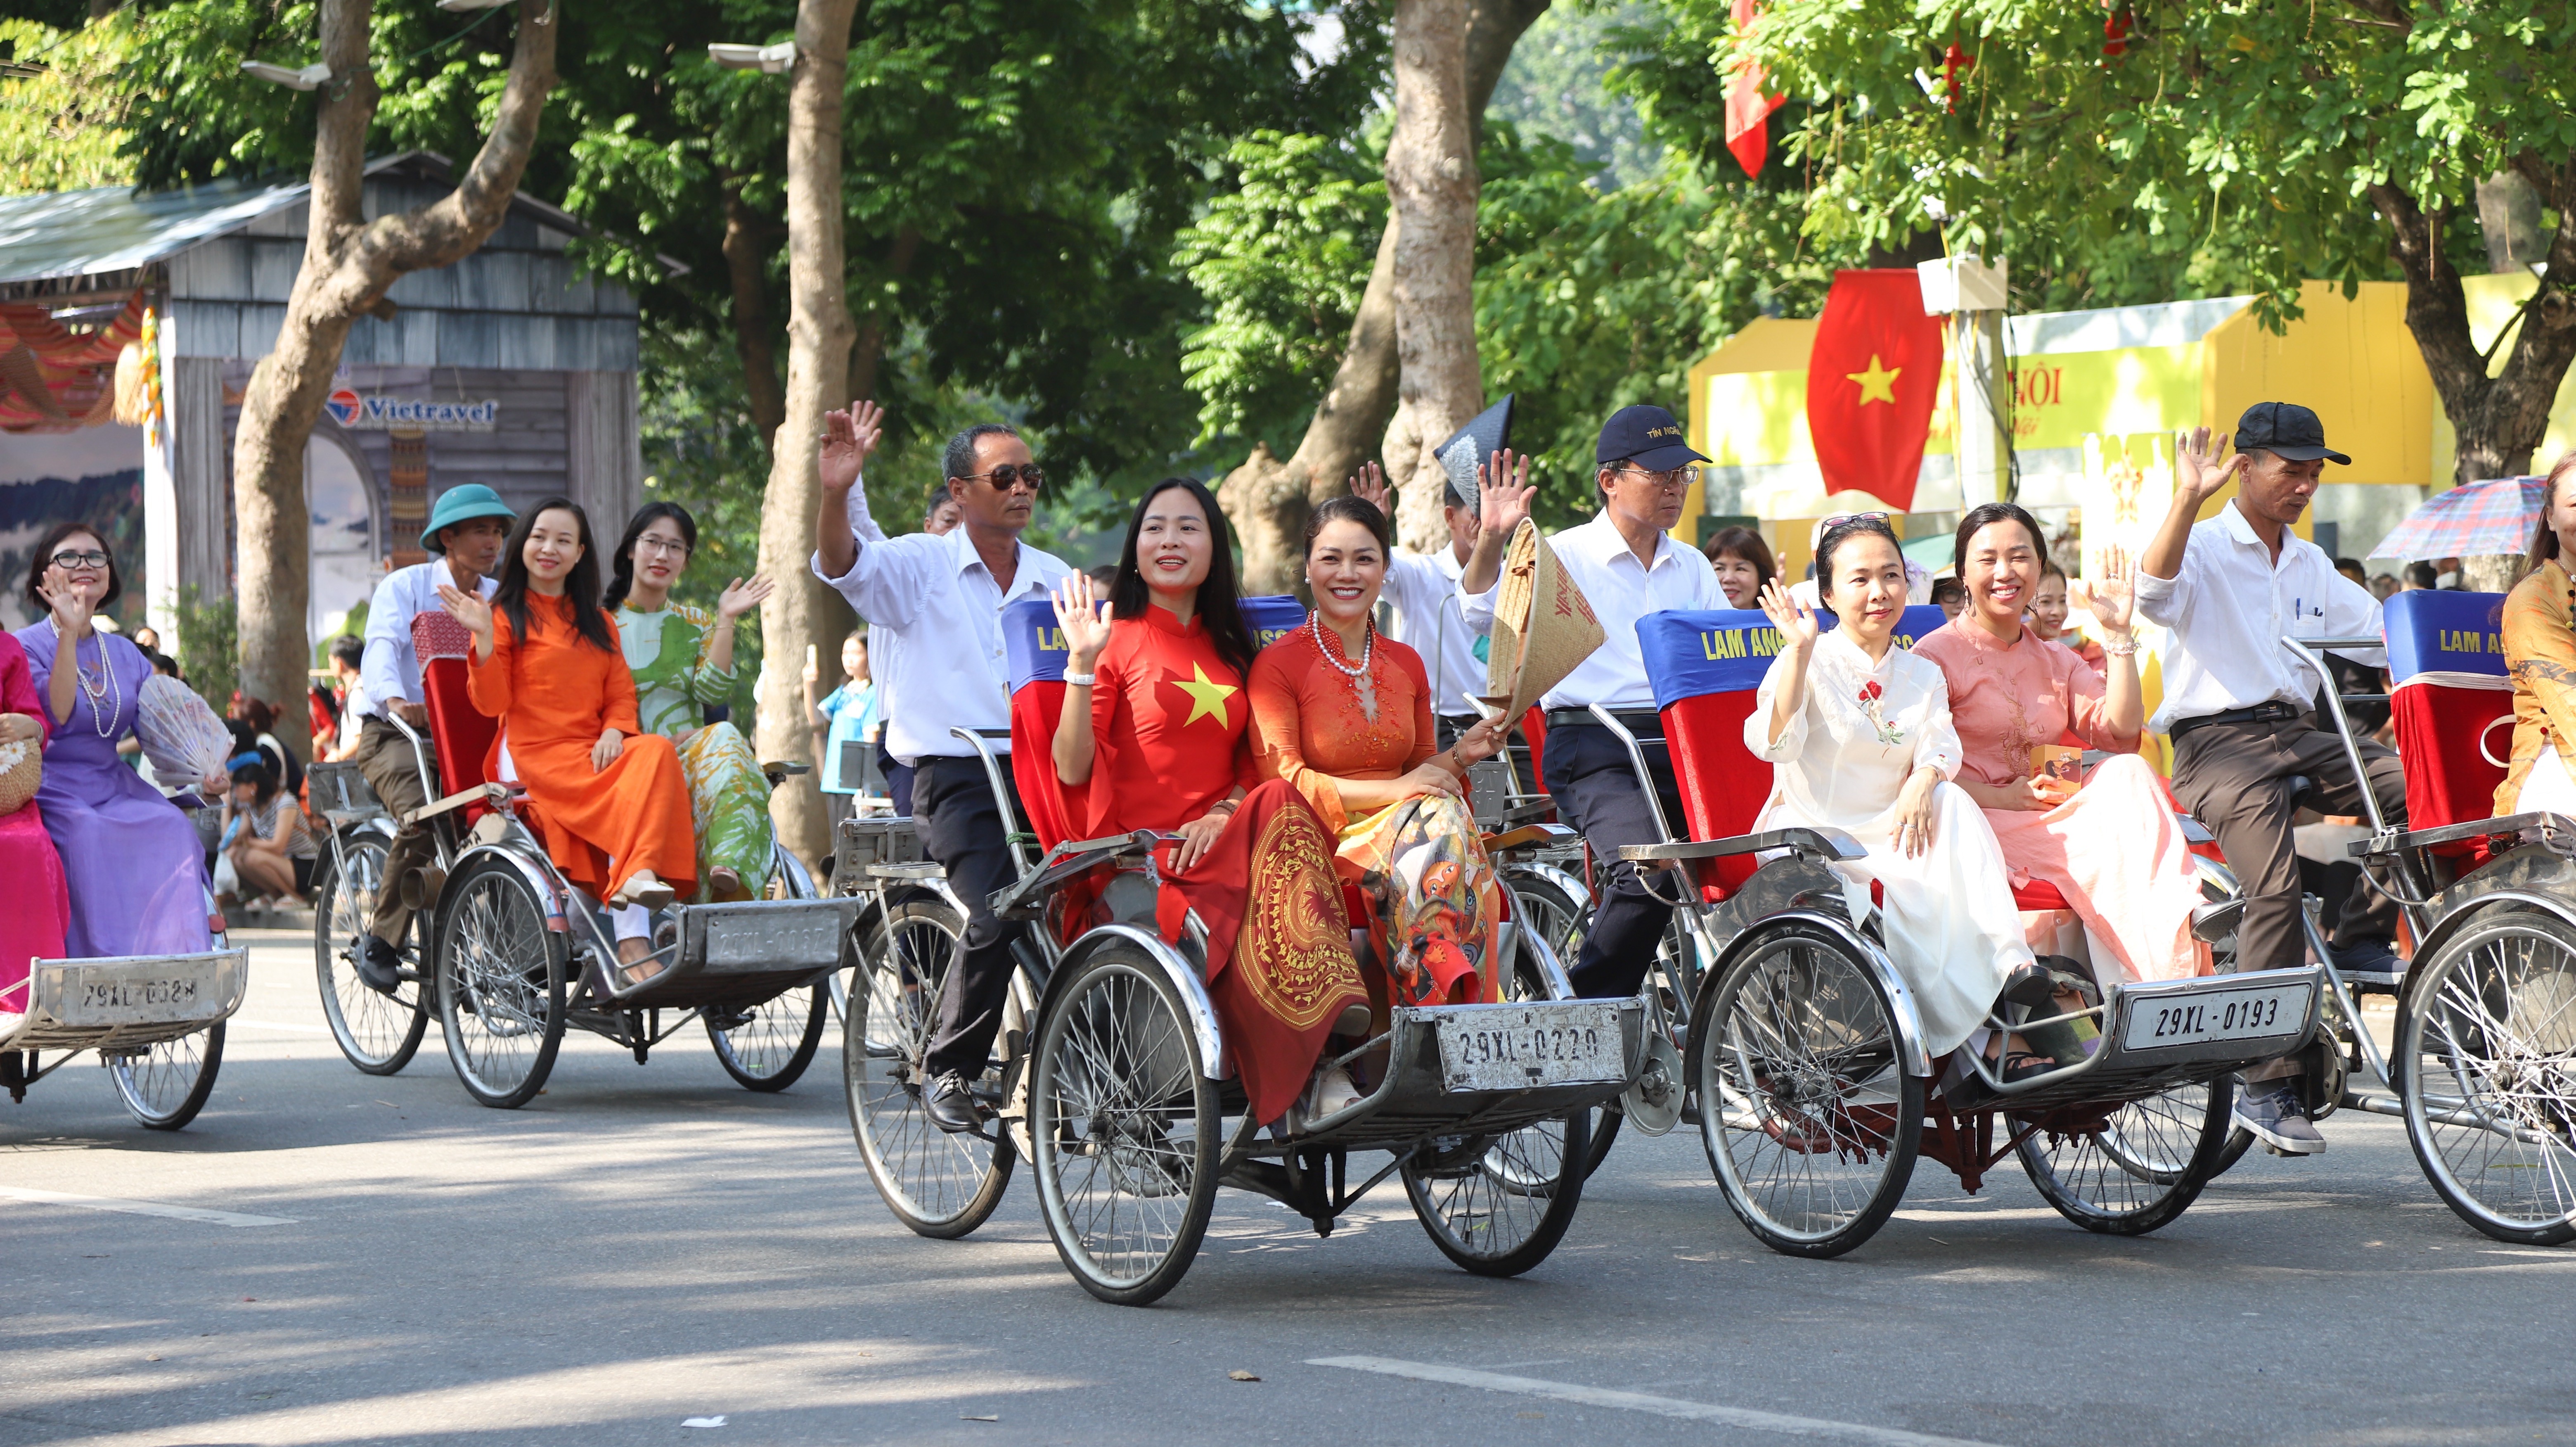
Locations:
{"points": [[307, 78], [767, 59]]}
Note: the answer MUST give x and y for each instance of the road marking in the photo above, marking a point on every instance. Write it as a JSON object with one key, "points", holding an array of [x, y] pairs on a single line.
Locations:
{"points": [[1640, 1402], [143, 1208]]}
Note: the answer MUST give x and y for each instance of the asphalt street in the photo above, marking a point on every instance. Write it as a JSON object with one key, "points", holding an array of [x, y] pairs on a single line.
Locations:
{"points": [[643, 1246]]}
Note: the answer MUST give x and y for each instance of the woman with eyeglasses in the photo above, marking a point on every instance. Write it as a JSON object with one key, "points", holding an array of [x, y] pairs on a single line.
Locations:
{"points": [[682, 661], [609, 796], [1345, 715], [135, 867], [2026, 709], [1859, 736], [1156, 735]]}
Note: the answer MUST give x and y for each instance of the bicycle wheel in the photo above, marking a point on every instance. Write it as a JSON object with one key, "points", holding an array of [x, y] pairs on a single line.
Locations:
{"points": [[1808, 1115], [164, 1085], [776, 1040], [2139, 1169], [500, 983], [378, 1033], [1497, 1205], [940, 1185], [1126, 1128], [2489, 1039]]}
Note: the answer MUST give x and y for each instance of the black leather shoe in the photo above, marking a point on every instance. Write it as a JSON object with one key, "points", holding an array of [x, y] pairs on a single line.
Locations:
{"points": [[379, 966], [949, 1105]]}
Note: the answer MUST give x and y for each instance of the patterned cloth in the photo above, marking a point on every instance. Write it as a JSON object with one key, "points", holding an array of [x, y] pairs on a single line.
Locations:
{"points": [[2495, 516], [2540, 650], [1434, 907], [666, 650]]}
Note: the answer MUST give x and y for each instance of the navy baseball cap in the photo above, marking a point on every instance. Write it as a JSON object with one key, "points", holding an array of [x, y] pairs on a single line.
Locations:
{"points": [[1647, 436], [2285, 429]]}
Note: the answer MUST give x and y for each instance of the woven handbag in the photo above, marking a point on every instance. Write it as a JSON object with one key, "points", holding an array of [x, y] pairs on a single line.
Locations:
{"points": [[22, 767]]}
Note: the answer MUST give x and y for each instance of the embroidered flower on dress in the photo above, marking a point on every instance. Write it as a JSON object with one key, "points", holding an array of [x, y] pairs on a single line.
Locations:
{"points": [[1871, 707]]}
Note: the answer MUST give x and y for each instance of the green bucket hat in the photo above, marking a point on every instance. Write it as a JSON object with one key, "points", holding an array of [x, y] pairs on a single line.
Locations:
{"points": [[462, 504]]}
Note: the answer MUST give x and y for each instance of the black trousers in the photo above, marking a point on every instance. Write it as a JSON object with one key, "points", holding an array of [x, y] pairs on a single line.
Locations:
{"points": [[1595, 786], [2234, 777], [961, 827]]}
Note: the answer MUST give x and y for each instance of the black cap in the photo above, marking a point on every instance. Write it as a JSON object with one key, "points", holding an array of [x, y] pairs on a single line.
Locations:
{"points": [[1485, 434], [1647, 436], [2285, 429]]}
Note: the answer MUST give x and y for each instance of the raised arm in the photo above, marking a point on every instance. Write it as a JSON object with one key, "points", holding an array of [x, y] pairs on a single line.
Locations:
{"points": [[848, 438], [2122, 711], [1503, 497], [1083, 618], [1798, 634], [2199, 475]]}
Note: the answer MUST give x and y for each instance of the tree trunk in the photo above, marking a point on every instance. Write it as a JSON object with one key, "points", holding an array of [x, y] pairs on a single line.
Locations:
{"points": [[1267, 499], [1431, 184], [755, 341], [349, 262], [819, 333], [2499, 420]]}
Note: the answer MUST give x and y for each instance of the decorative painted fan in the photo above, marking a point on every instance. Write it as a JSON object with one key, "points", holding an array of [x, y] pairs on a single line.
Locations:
{"points": [[180, 734]]}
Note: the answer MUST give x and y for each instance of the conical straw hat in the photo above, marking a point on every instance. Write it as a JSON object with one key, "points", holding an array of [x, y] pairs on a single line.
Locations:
{"points": [[1543, 626]]}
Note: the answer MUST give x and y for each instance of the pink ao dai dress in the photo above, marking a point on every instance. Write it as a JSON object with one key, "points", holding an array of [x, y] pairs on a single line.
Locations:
{"points": [[2115, 850], [1952, 931]]}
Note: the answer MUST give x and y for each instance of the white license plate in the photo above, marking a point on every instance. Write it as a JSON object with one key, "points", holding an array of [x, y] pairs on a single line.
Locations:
{"points": [[139, 999], [2224, 1015], [1518, 1048]]}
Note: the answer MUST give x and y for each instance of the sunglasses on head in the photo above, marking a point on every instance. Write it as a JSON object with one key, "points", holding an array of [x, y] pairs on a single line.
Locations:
{"points": [[1010, 475], [1840, 518]]}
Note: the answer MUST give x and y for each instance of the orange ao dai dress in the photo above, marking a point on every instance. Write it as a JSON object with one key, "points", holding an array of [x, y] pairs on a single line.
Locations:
{"points": [[2114, 850], [554, 694]]}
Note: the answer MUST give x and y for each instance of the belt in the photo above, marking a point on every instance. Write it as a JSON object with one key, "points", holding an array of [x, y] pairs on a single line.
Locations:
{"points": [[2274, 712], [1635, 720]]}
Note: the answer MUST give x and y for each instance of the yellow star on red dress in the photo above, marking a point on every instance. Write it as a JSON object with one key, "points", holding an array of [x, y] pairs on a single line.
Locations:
{"points": [[1207, 698], [1878, 384]]}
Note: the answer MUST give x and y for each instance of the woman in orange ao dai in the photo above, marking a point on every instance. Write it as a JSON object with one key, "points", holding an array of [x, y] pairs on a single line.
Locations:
{"points": [[608, 797]]}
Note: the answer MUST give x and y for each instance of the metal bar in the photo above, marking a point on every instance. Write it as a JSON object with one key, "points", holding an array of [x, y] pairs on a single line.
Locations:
{"points": [[2343, 996], [1001, 794], [2403, 868], [2552, 826], [1637, 756]]}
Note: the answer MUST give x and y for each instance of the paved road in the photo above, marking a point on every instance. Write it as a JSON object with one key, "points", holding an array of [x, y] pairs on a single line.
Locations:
{"points": [[645, 1245]]}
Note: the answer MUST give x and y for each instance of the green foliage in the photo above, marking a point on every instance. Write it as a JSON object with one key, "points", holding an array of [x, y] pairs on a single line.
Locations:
{"points": [[205, 645], [2231, 148], [62, 127], [1554, 86]]}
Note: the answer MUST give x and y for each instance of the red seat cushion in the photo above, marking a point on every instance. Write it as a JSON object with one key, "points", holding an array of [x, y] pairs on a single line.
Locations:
{"points": [[460, 735], [2455, 742], [2039, 894], [1723, 786]]}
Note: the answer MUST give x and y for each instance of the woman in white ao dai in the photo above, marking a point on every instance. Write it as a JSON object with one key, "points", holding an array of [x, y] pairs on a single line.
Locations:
{"points": [[1859, 737]]}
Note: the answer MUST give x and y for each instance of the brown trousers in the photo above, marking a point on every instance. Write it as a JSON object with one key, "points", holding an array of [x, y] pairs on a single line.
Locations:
{"points": [[386, 759]]}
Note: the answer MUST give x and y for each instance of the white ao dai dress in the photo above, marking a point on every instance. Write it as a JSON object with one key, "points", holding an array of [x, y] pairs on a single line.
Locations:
{"points": [[1948, 914]]}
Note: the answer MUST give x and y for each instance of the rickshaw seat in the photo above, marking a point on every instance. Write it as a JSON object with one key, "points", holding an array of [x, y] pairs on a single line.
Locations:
{"points": [[2453, 706], [1706, 667], [460, 735]]}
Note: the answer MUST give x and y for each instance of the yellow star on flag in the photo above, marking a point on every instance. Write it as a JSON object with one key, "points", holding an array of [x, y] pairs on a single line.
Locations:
{"points": [[1207, 698], [1878, 384]]}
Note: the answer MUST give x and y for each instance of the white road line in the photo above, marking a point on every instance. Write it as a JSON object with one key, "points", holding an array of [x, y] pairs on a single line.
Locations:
{"points": [[143, 1208], [1640, 1402]]}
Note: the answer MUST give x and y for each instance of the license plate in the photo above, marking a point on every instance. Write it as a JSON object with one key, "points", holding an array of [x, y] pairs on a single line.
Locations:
{"points": [[137, 1000], [2224, 1015], [1518, 1048]]}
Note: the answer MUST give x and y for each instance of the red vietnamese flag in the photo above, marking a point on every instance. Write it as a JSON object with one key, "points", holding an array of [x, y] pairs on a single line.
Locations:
{"points": [[1748, 110], [1872, 378]]}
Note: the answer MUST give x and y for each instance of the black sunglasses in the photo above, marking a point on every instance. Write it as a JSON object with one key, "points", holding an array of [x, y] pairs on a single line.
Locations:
{"points": [[1010, 475]]}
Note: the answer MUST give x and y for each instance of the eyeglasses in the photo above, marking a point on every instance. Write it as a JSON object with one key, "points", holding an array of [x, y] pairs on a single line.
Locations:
{"points": [[1673, 480], [1010, 475], [659, 545], [69, 560]]}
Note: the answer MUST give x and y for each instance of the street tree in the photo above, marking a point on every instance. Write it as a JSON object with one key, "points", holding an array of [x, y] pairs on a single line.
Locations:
{"points": [[2168, 147]]}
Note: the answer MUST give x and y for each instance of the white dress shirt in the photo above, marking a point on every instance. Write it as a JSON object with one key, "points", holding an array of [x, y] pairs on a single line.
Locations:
{"points": [[1424, 589], [2229, 606], [944, 606], [1621, 590], [389, 672]]}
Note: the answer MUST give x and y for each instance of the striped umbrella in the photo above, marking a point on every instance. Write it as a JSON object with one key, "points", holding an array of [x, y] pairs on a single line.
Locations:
{"points": [[2481, 519]]}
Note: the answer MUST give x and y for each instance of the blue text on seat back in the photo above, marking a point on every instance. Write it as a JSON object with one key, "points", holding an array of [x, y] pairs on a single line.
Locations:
{"points": [[2431, 631], [1727, 650]]}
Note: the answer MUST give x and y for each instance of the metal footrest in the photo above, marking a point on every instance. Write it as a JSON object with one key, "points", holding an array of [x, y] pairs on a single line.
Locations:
{"points": [[743, 953], [129, 1001], [1485, 1070], [2177, 1032]]}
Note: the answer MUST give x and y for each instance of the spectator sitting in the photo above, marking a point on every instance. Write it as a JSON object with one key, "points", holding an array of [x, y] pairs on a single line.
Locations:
{"points": [[348, 657], [267, 849]]}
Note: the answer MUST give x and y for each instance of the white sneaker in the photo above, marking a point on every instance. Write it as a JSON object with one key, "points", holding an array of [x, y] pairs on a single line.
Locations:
{"points": [[1333, 1092]]}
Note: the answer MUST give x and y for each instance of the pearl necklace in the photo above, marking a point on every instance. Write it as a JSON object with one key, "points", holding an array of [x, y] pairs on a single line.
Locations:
{"points": [[103, 720], [1358, 675]]}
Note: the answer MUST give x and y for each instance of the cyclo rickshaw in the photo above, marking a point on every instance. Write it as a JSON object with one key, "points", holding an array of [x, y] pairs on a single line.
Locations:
{"points": [[156, 1021], [1110, 1072], [2483, 1069], [1787, 1035], [507, 954]]}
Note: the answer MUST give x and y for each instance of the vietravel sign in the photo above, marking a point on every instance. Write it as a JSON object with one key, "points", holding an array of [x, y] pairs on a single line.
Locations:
{"points": [[361, 413]]}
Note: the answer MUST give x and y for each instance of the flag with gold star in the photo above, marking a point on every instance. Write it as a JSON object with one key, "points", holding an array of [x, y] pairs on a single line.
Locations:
{"points": [[1872, 379]]}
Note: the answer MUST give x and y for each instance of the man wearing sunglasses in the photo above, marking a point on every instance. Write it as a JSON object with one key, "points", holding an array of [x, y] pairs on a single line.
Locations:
{"points": [[941, 598], [1628, 565]]}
